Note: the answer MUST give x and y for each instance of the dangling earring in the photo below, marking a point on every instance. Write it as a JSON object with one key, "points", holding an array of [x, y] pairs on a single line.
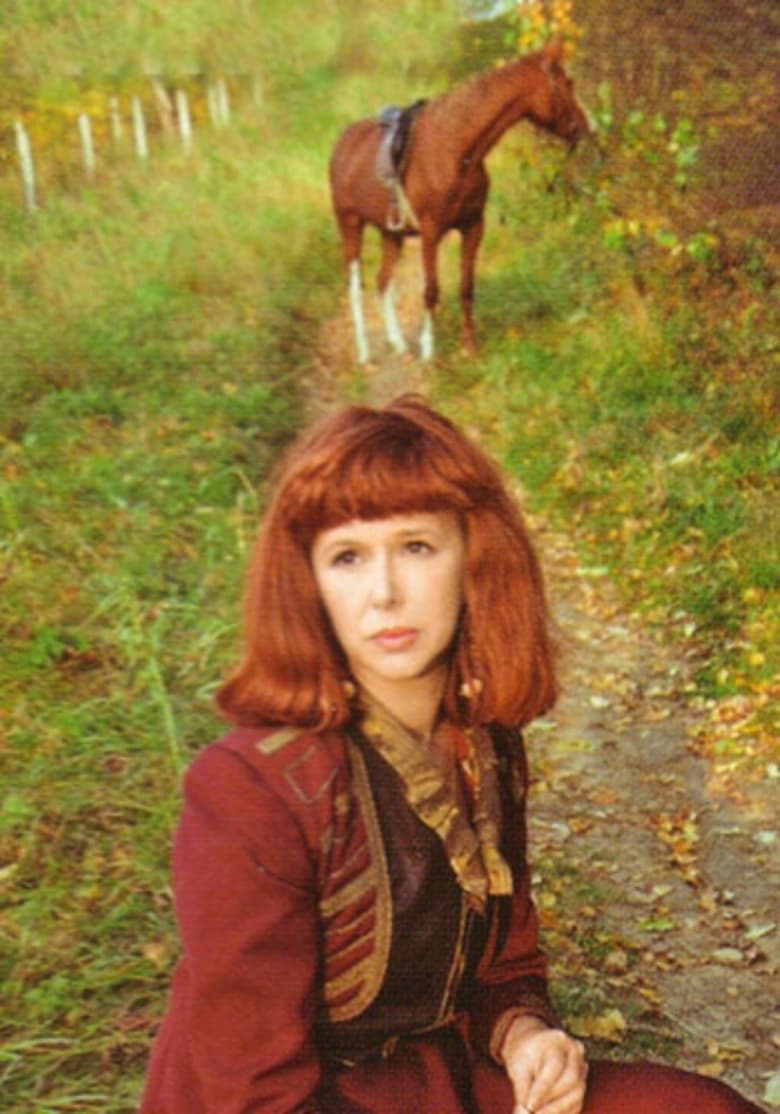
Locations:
{"points": [[470, 689], [473, 685]]}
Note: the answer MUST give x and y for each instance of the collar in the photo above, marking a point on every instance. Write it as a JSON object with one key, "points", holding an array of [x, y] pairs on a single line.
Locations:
{"points": [[451, 782]]}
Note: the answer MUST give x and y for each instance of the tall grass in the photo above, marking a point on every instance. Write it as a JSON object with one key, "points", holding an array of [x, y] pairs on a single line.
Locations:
{"points": [[157, 328], [637, 400]]}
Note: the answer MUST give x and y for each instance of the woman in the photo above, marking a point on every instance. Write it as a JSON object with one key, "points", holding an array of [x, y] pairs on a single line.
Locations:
{"points": [[350, 873]]}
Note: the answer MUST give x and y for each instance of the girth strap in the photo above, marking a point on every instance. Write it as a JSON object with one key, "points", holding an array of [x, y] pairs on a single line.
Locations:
{"points": [[392, 160]]}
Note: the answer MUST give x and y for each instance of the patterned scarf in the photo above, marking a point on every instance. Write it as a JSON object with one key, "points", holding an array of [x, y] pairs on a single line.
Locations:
{"points": [[451, 783]]}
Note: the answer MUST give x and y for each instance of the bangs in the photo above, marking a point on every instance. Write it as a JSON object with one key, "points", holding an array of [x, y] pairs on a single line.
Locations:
{"points": [[368, 464], [378, 477]]}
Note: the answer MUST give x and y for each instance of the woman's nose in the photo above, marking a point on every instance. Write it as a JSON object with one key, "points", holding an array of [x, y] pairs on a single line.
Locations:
{"points": [[385, 588]]}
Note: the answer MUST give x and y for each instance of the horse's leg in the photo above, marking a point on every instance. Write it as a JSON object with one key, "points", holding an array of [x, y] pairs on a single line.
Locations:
{"points": [[356, 305], [391, 250], [430, 244], [471, 238], [352, 239]]}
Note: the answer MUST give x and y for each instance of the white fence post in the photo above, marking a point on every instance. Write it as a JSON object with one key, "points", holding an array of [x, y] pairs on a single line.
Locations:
{"points": [[219, 103], [223, 101], [164, 106], [87, 146], [116, 118], [184, 119], [27, 164], [176, 113], [211, 101], [139, 129]]}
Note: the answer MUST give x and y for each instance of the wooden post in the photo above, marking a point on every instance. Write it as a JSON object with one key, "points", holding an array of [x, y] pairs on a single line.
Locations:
{"points": [[27, 164], [211, 101], [184, 119], [223, 101], [87, 146], [139, 129], [219, 103], [164, 106], [116, 118]]}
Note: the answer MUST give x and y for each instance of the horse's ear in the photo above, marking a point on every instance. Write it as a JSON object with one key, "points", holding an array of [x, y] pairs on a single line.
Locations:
{"points": [[552, 53]]}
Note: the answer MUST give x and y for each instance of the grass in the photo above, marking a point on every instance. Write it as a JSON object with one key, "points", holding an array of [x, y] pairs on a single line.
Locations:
{"points": [[662, 460], [158, 326], [129, 509]]}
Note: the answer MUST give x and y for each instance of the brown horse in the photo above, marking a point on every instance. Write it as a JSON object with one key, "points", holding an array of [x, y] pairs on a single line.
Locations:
{"points": [[445, 183]]}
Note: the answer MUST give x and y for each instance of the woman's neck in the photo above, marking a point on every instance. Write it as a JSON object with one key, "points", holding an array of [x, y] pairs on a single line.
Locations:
{"points": [[414, 702]]}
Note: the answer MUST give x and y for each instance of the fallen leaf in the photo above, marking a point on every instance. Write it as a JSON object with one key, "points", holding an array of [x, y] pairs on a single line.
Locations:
{"points": [[616, 963], [712, 1068], [658, 924], [729, 957], [758, 931], [772, 1089], [608, 1026]]}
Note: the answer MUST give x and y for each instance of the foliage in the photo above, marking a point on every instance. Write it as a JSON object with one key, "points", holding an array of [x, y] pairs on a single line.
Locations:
{"points": [[635, 391], [637, 400], [532, 23]]}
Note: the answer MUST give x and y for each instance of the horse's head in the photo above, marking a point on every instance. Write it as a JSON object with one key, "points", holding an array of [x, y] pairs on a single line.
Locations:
{"points": [[557, 109]]}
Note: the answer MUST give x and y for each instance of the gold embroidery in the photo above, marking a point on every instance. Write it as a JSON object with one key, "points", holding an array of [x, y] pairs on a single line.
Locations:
{"points": [[446, 1006], [362, 981], [345, 897], [278, 739]]}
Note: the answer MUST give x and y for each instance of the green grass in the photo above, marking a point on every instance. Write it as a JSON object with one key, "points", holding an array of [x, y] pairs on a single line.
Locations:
{"points": [[639, 409], [157, 328]]}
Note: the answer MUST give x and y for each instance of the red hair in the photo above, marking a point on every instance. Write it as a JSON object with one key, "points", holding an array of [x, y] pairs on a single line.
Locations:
{"points": [[370, 463]]}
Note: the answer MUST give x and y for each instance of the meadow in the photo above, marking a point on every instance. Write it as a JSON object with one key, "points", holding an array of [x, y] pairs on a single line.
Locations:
{"points": [[160, 328]]}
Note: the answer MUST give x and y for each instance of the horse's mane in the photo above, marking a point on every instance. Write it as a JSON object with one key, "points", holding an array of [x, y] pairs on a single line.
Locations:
{"points": [[475, 87]]}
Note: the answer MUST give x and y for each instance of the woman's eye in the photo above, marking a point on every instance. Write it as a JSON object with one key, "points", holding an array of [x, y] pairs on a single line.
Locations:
{"points": [[419, 546], [345, 558]]}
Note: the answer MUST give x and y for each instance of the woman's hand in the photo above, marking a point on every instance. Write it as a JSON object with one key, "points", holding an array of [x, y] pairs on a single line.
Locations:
{"points": [[547, 1068]]}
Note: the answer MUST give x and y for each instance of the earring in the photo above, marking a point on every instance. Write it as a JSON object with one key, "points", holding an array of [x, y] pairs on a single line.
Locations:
{"points": [[471, 689]]}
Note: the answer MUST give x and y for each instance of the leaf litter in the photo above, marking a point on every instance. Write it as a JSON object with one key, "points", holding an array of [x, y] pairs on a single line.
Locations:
{"points": [[634, 817]]}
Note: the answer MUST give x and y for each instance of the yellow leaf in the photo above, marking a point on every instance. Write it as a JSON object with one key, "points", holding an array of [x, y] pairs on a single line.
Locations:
{"points": [[713, 1069], [608, 1026]]}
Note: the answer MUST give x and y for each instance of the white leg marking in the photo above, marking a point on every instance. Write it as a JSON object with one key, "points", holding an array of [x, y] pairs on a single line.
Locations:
{"points": [[426, 336], [392, 328], [356, 304]]}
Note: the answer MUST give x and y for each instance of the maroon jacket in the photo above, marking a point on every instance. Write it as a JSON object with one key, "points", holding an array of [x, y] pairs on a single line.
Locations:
{"points": [[282, 902]]}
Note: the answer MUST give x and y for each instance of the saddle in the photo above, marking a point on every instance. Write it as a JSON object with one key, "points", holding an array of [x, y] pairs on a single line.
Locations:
{"points": [[392, 159]]}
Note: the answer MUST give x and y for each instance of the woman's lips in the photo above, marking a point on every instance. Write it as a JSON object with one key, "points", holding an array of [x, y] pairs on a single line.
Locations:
{"points": [[396, 639]]}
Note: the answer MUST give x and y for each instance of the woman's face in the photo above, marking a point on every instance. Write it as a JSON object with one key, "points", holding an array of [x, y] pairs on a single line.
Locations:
{"points": [[393, 590]]}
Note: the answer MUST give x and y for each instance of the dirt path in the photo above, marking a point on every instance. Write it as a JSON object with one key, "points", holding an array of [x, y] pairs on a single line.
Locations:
{"points": [[387, 375], [660, 896], [674, 910]]}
